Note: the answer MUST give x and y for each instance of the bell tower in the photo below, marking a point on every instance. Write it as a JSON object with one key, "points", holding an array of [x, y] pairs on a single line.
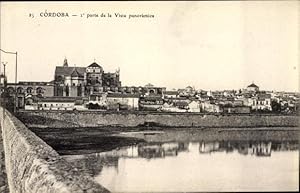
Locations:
{"points": [[65, 63]]}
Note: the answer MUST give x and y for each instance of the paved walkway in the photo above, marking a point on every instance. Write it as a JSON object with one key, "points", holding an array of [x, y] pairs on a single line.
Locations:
{"points": [[3, 179]]}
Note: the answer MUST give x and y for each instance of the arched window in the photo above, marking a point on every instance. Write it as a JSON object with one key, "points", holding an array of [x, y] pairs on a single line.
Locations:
{"points": [[39, 90], [19, 90], [10, 90], [29, 90], [151, 91]]}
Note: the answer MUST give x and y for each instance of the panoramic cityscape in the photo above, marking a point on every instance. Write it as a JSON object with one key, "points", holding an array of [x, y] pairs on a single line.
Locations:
{"points": [[91, 88], [87, 112], [183, 96]]}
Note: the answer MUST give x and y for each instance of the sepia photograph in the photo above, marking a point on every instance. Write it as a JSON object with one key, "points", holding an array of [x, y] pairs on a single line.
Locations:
{"points": [[149, 96]]}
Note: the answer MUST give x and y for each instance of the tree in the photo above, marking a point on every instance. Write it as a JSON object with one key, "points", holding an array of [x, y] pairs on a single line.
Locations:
{"points": [[276, 107]]}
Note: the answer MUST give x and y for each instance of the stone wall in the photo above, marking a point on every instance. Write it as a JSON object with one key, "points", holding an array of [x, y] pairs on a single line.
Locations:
{"points": [[33, 166], [3, 178], [132, 119]]}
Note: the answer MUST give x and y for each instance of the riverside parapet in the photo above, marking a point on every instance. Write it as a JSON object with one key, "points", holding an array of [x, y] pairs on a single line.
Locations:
{"points": [[162, 119], [33, 166], [3, 178]]}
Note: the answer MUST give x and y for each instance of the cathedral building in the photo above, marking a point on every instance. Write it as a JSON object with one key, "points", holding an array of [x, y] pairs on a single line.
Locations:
{"points": [[84, 81]]}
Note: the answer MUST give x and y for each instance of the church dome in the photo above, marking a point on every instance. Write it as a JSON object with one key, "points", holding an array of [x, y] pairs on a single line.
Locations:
{"points": [[253, 85]]}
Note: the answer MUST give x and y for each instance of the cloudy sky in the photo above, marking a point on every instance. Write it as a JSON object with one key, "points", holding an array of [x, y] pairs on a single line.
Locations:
{"points": [[208, 45]]}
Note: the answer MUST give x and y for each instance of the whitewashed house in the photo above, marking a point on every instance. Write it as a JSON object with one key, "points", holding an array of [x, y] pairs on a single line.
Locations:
{"points": [[211, 108], [56, 103], [261, 102], [194, 106], [99, 99], [169, 107], [123, 101], [170, 94]]}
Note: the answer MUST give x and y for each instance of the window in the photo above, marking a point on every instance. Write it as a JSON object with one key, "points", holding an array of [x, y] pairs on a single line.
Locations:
{"points": [[39, 90], [29, 101], [20, 90], [29, 90], [59, 78], [67, 90], [93, 98], [151, 91]]}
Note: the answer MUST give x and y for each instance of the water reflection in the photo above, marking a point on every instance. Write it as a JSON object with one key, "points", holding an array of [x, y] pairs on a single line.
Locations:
{"points": [[161, 150], [196, 166], [244, 148], [263, 148]]}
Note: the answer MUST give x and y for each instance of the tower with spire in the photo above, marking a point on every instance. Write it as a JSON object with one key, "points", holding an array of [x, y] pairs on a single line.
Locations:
{"points": [[65, 62]]}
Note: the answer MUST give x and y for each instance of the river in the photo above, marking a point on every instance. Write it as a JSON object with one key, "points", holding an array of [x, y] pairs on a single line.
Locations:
{"points": [[185, 161]]}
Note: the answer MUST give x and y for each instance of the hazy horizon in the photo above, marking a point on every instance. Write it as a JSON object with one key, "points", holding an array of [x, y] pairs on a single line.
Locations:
{"points": [[208, 45]]}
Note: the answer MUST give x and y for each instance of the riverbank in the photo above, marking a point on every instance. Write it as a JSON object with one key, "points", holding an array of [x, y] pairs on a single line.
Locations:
{"points": [[70, 119], [91, 140]]}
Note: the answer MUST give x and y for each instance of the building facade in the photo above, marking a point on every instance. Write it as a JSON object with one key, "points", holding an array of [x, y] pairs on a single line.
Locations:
{"points": [[83, 81], [27, 90]]}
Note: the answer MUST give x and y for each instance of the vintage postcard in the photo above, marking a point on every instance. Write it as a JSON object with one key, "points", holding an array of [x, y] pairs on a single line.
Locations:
{"points": [[149, 96]]}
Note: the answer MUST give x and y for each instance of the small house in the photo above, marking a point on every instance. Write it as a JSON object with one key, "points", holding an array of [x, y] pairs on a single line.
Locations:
{"points": [[119, 101]]}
